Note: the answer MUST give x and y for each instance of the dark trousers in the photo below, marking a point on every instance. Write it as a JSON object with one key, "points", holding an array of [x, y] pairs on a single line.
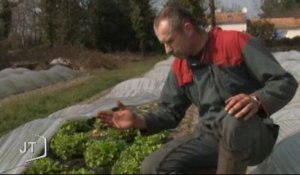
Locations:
{"points": [[234, 145]]}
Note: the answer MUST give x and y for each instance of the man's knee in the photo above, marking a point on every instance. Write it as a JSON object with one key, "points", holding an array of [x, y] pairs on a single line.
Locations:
{"points": [[151, 164], [237, 134], [250, 141], [172, 157], [232, 124]]}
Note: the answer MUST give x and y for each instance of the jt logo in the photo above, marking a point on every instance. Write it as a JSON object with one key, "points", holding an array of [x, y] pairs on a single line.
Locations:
{"points": [[31, 146]]}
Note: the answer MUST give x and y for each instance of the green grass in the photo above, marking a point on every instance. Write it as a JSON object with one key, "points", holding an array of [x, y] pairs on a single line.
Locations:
{"points": [[25, 108]]}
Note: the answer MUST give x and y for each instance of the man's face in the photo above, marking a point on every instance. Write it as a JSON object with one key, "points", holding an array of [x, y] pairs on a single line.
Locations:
{"points": [[176, 43]]}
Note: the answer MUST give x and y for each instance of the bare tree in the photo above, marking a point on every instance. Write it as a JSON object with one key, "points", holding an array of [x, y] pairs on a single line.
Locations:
{"points": [[212, 13], [5, 17], [25, 29]]}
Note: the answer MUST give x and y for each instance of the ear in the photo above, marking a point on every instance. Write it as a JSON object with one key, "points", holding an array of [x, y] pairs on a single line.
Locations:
{"points": [[188, 28]]}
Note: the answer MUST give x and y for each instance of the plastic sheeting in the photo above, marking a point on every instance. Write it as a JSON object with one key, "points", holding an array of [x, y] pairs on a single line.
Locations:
{"points": [[131, 92], [289, 61], [14, 81], [12, 160], [285, 160], [139, 91]]}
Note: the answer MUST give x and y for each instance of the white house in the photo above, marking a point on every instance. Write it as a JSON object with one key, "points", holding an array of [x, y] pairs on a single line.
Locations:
{"points": [[286, 27], [232, 20]]}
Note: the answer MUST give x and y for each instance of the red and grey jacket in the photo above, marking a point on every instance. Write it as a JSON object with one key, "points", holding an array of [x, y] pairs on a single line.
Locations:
{"points": [[231, 63]]}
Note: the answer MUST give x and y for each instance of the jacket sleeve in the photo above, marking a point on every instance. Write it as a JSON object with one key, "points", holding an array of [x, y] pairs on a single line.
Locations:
{"points": [[171, 108], [278, 86]]}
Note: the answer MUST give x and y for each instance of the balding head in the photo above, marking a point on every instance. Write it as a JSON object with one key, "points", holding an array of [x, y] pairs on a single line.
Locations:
{"points": [[176, 16], [176, 28]]}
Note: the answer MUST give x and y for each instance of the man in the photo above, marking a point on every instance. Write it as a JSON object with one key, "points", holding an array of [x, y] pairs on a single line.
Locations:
{"points": [[233, 80]]}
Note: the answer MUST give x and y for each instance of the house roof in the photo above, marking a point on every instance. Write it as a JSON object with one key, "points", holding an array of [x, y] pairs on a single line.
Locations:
{"points": [[230, 17], [283, 23]]}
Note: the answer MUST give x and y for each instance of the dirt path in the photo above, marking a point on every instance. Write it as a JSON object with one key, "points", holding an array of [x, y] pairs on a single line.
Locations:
{"points": [[188, 123]]}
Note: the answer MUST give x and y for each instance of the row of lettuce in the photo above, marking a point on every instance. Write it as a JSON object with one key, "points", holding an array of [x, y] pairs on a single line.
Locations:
{"points": [[91, 147]]}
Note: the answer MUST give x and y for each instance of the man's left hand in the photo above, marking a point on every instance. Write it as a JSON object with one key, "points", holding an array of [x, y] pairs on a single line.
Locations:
{"points": [[242, 106]]}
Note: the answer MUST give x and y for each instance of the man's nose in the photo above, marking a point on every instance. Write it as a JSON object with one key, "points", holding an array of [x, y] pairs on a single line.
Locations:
{"points": [[168, 49]]}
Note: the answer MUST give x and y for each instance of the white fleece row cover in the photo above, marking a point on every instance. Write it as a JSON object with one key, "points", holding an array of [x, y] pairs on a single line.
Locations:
{"points": [[284, 159], [18, 80]]}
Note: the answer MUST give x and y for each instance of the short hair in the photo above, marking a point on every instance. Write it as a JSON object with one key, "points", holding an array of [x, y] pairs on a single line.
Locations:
{"points": [[176, 15]]}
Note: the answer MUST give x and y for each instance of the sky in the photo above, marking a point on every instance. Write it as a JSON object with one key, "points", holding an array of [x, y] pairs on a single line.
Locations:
{"points": [[253, 6]]}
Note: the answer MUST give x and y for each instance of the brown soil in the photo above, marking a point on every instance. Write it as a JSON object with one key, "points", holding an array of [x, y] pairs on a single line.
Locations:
{"points": [[188, 123]]}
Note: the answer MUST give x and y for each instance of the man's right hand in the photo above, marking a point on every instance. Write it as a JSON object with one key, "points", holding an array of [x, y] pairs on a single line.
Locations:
{"points": [[124, 118]]}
